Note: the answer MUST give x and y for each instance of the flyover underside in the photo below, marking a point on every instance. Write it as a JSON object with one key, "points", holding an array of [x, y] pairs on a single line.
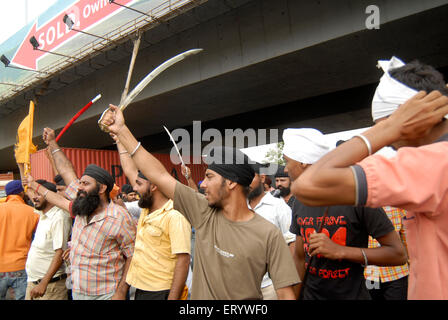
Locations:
{"points": [[328, 86]]}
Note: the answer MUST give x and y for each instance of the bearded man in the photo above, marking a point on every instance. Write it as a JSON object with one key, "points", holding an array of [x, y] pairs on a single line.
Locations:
{"points": [[283, 183], [161, 259], [103, 232], [234, 246], [274, 210]]}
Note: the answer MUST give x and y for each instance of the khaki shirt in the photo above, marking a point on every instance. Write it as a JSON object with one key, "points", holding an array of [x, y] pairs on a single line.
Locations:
{"points": [[231, 257], [160, 236]]}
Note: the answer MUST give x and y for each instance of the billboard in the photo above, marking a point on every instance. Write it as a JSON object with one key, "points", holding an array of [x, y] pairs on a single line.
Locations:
{"points": [[70, 30]]}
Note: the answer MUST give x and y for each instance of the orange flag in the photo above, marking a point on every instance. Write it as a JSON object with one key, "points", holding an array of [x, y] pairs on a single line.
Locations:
{"points": [[24, 146]]}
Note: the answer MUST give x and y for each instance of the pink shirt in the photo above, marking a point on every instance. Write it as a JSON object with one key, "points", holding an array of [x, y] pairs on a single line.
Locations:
{"points": [[416, 179]]}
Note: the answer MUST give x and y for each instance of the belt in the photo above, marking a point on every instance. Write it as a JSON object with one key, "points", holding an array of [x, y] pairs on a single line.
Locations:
{"points": [[62, 276]]}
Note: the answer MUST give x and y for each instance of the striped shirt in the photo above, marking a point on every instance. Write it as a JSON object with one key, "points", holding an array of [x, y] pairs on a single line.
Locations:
{"points": [[386, 274], [99, 248]]}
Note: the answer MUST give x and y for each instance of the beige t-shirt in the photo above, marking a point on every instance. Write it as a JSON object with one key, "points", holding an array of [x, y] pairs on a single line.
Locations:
{"points": [[232, 257]]}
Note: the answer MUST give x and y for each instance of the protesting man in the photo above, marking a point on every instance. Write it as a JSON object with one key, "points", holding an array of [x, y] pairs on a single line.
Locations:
{"points": [[283, 183], [18, 222], [234, 246], [336, 256], [416, 179], [128, 193], [60, 184], [103, 233], [44, 266], [274, 210], [159, 266], [130, 201]]}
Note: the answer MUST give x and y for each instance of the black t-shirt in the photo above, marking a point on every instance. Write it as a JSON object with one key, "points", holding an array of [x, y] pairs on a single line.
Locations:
{"points": [[345, 225]]}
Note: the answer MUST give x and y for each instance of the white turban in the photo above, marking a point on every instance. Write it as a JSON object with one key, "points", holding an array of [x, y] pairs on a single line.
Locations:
{"points": [[304, 145], [390, 92]]}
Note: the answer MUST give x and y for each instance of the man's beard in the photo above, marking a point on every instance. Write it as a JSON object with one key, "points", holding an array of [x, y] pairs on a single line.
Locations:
{"points": [[284, 191], [222, 193], [256, 192], [41, 206], [86, 203], [146, 201]]}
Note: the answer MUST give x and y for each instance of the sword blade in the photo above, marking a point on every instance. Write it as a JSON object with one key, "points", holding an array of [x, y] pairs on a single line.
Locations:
{"points": [[175, 145], [147, 79]]}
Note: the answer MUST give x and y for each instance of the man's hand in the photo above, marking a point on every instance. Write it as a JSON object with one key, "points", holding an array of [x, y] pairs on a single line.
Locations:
{"points": [[319, 243], [118, 295], [66, 255], [186, 172], [48, 136], [39, 290], [417, 116], [113, 119]]}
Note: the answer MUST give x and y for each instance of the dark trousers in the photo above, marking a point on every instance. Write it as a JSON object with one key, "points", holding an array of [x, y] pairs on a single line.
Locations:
{"points": [[392, 290], [151, 295]]}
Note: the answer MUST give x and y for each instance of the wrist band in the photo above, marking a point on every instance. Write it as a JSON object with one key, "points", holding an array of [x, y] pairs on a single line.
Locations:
{"points": [[123, 152], [54, 151], [366, 141], [135, 150], [45, 194], [366, 262]]}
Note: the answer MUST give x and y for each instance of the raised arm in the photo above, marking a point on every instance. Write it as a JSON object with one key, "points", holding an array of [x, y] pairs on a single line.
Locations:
{"points": [[152, 168], [50, 196], [62, 164], [127, 163], [330, 180], [51, 159]]}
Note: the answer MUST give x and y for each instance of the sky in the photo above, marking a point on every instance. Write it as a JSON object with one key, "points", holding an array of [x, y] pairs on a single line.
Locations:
{"points": [[17, 13]]}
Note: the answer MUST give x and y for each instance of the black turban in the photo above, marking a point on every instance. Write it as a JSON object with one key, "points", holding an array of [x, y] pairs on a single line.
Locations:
{"points": [[100, 175], [50, 186], [127, 188], [232, 164], [141, 175], [281, 172], [59, 180]]}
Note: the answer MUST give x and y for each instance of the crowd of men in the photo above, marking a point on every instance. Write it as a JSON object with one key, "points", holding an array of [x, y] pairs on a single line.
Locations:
{"points": [[337, 223]]}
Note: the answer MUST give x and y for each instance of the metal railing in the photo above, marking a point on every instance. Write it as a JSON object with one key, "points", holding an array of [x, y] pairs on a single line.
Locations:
{"points": [[157, 15]]}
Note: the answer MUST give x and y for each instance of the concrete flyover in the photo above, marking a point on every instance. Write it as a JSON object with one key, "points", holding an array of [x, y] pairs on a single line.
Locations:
{"points": [[266, 64]]}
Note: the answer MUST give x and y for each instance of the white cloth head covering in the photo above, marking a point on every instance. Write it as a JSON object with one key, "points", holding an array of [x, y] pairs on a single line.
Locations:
{"points": [[304, 145], [390, 92]]}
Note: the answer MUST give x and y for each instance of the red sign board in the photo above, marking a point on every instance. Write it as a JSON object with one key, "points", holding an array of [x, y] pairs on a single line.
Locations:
{"points": [[53, 33]]}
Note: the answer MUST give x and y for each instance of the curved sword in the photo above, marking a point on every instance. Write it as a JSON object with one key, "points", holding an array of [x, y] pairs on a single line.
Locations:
{"points": [[146, 80], [175, 145]]}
